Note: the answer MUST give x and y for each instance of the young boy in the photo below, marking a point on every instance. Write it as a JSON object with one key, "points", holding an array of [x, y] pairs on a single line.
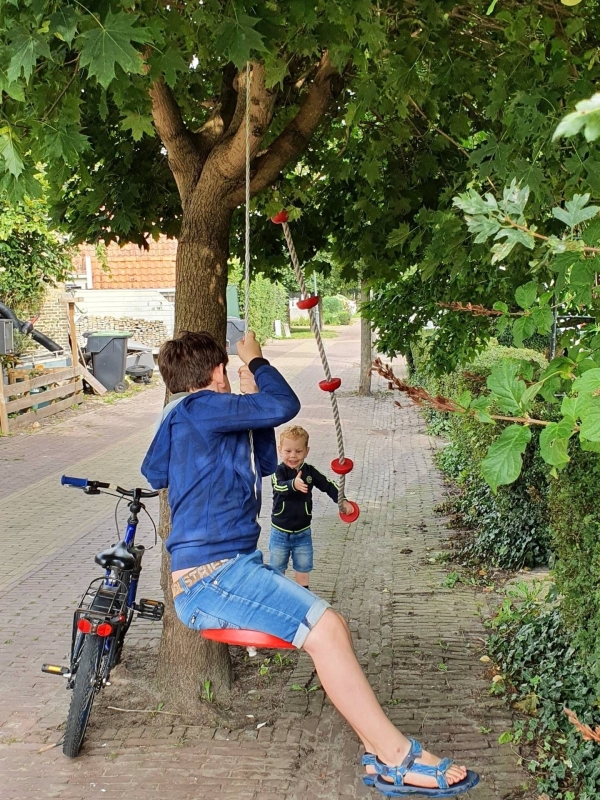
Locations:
{"points": [[291, 517], [203, 455]]}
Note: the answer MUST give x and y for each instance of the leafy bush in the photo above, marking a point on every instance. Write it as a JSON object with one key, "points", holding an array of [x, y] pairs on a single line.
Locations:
{"points": [[332, 309], [268, 302], [32, 255], [575, 523], [542, 674], [509, 529]]}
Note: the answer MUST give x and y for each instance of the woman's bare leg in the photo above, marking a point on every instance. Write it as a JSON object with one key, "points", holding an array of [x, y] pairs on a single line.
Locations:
{"points": [[330, 647]]}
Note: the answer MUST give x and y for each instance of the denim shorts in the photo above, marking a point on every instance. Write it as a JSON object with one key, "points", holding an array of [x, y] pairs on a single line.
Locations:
{"points": [[247, 593], [298, 545]]}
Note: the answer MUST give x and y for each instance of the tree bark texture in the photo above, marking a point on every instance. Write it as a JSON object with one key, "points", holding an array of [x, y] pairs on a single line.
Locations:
{"points": [[186, 661], [366, 346], [209, 169]]}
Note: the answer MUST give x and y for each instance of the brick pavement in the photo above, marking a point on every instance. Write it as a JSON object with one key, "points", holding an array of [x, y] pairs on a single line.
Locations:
{"points": [[419, 642]]}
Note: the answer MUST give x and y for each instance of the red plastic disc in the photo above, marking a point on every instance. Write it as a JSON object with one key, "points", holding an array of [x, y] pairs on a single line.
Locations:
{"points": [[308, 302], [342, 469], [246, 638], [353, 515], [278, 219], [330, 386]]}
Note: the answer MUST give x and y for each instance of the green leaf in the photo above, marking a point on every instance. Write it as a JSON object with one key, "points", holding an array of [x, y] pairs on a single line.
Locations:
{"points": [[104, 47], [499, 306], [585, 444], [575, 211], [543, 319], [170, 64], [506, 737], [523, 328], [237, 39], [26, 49], [588, 383], [484, 417], [63, 24], [10, 153], [588, 407], [275, 73], [65, 144], [504, 460], [506, 389], [525, 295], [138, 124], [554, 444], [586, 117], [465, 399], [530, 393]]}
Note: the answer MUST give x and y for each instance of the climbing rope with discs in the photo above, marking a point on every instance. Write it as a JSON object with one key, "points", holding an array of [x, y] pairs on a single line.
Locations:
{"points": [[341, 465]]}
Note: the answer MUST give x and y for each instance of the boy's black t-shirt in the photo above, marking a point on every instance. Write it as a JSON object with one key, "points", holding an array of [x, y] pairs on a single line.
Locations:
{"points": [[292, 510]]}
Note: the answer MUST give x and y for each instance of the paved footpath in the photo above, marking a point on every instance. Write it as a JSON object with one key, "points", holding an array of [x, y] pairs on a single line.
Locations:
{"points": [[419, 642]]}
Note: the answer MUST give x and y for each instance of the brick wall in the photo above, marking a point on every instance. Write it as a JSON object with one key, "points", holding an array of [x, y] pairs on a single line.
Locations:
{"points": [[53, 319], [150, 333]]}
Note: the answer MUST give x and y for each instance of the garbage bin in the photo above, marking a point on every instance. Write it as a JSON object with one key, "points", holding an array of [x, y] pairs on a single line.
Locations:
{"points": [[235, 332], [109, 355]]}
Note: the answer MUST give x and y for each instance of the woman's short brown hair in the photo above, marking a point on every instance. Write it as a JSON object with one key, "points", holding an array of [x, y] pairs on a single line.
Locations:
{"points": [[189, 361]]}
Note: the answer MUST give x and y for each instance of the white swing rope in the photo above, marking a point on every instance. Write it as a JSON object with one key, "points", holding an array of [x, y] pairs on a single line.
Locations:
{"points": [[247, 241], [317, 333]]}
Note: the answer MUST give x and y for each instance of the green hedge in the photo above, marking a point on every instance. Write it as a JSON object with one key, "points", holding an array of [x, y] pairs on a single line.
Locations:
{"points": [[507, 530], [575, 525], [547, 652], [268, 302]]}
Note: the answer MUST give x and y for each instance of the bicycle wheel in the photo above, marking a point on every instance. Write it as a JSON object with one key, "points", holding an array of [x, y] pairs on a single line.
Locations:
{"points": [[84, 691]]}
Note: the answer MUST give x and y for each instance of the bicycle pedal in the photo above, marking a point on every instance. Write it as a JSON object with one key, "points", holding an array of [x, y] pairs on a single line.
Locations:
{"points": [[51, 669], [150, 609]]}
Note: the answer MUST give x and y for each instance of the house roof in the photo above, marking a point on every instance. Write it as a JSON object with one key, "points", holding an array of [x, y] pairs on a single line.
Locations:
{"points": [[131, 267]]}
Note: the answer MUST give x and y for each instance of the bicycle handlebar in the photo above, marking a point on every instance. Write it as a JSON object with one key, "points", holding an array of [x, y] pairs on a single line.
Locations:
{"points": [[83, 483]]}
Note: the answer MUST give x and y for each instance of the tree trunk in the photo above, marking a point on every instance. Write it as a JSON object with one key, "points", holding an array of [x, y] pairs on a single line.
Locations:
{"points": [[366, 346], [186, 661], [188, 665], [202, 255], [208, 166]]}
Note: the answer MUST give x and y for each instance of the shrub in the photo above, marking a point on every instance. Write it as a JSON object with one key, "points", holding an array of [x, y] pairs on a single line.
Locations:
{"points": [[509, 529], [542, 674], [575, 525]]}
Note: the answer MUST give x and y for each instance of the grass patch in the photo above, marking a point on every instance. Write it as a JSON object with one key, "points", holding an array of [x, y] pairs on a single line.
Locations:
{"points": [[306, 333]]}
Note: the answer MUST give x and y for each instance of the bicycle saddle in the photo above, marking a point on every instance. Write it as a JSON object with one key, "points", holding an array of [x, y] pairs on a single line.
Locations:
{"points": [[117, 556]]}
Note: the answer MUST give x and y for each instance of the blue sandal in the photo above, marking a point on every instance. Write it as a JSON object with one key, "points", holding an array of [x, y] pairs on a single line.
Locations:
{"points": [[399, 789], [368, 760]]}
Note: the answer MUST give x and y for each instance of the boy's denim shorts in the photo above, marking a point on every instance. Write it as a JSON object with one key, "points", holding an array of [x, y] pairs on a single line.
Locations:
{"points": [[298, 545], [247, 593]]}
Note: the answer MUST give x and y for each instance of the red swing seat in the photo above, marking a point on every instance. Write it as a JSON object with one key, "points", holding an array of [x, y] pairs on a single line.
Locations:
{"points": [[245, 638]]}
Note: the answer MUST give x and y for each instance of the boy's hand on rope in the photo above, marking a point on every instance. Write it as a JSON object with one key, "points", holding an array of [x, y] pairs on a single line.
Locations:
{"points": [[299, 484], [347, 508], [247, 382], [248, 348]]}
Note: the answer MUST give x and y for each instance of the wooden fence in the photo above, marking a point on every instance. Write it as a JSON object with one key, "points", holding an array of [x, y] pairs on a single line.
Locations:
{"points": [[24, 402]]}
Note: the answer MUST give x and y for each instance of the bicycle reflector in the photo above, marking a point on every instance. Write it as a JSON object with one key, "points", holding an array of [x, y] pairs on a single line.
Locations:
{"points": [[104, 629], [84, 625]]}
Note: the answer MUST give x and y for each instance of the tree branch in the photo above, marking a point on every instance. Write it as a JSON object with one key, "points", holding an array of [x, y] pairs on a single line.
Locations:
{"points": [[184, 159], [220, 120], [228, 157], [294, 139]]}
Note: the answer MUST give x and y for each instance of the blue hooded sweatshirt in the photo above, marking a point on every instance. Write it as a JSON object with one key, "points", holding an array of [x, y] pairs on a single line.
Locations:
{"points": [[201, 453]]}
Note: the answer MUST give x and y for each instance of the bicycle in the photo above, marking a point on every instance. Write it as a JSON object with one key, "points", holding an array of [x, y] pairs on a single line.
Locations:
{"points": [[103, 617]]}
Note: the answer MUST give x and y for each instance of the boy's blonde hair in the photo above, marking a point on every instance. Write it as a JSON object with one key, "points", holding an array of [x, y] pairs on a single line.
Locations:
{"points": [[293, 432]]}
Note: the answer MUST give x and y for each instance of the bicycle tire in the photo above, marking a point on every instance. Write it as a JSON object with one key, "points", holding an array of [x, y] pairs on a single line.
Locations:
{"points": [[84, 692]]}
